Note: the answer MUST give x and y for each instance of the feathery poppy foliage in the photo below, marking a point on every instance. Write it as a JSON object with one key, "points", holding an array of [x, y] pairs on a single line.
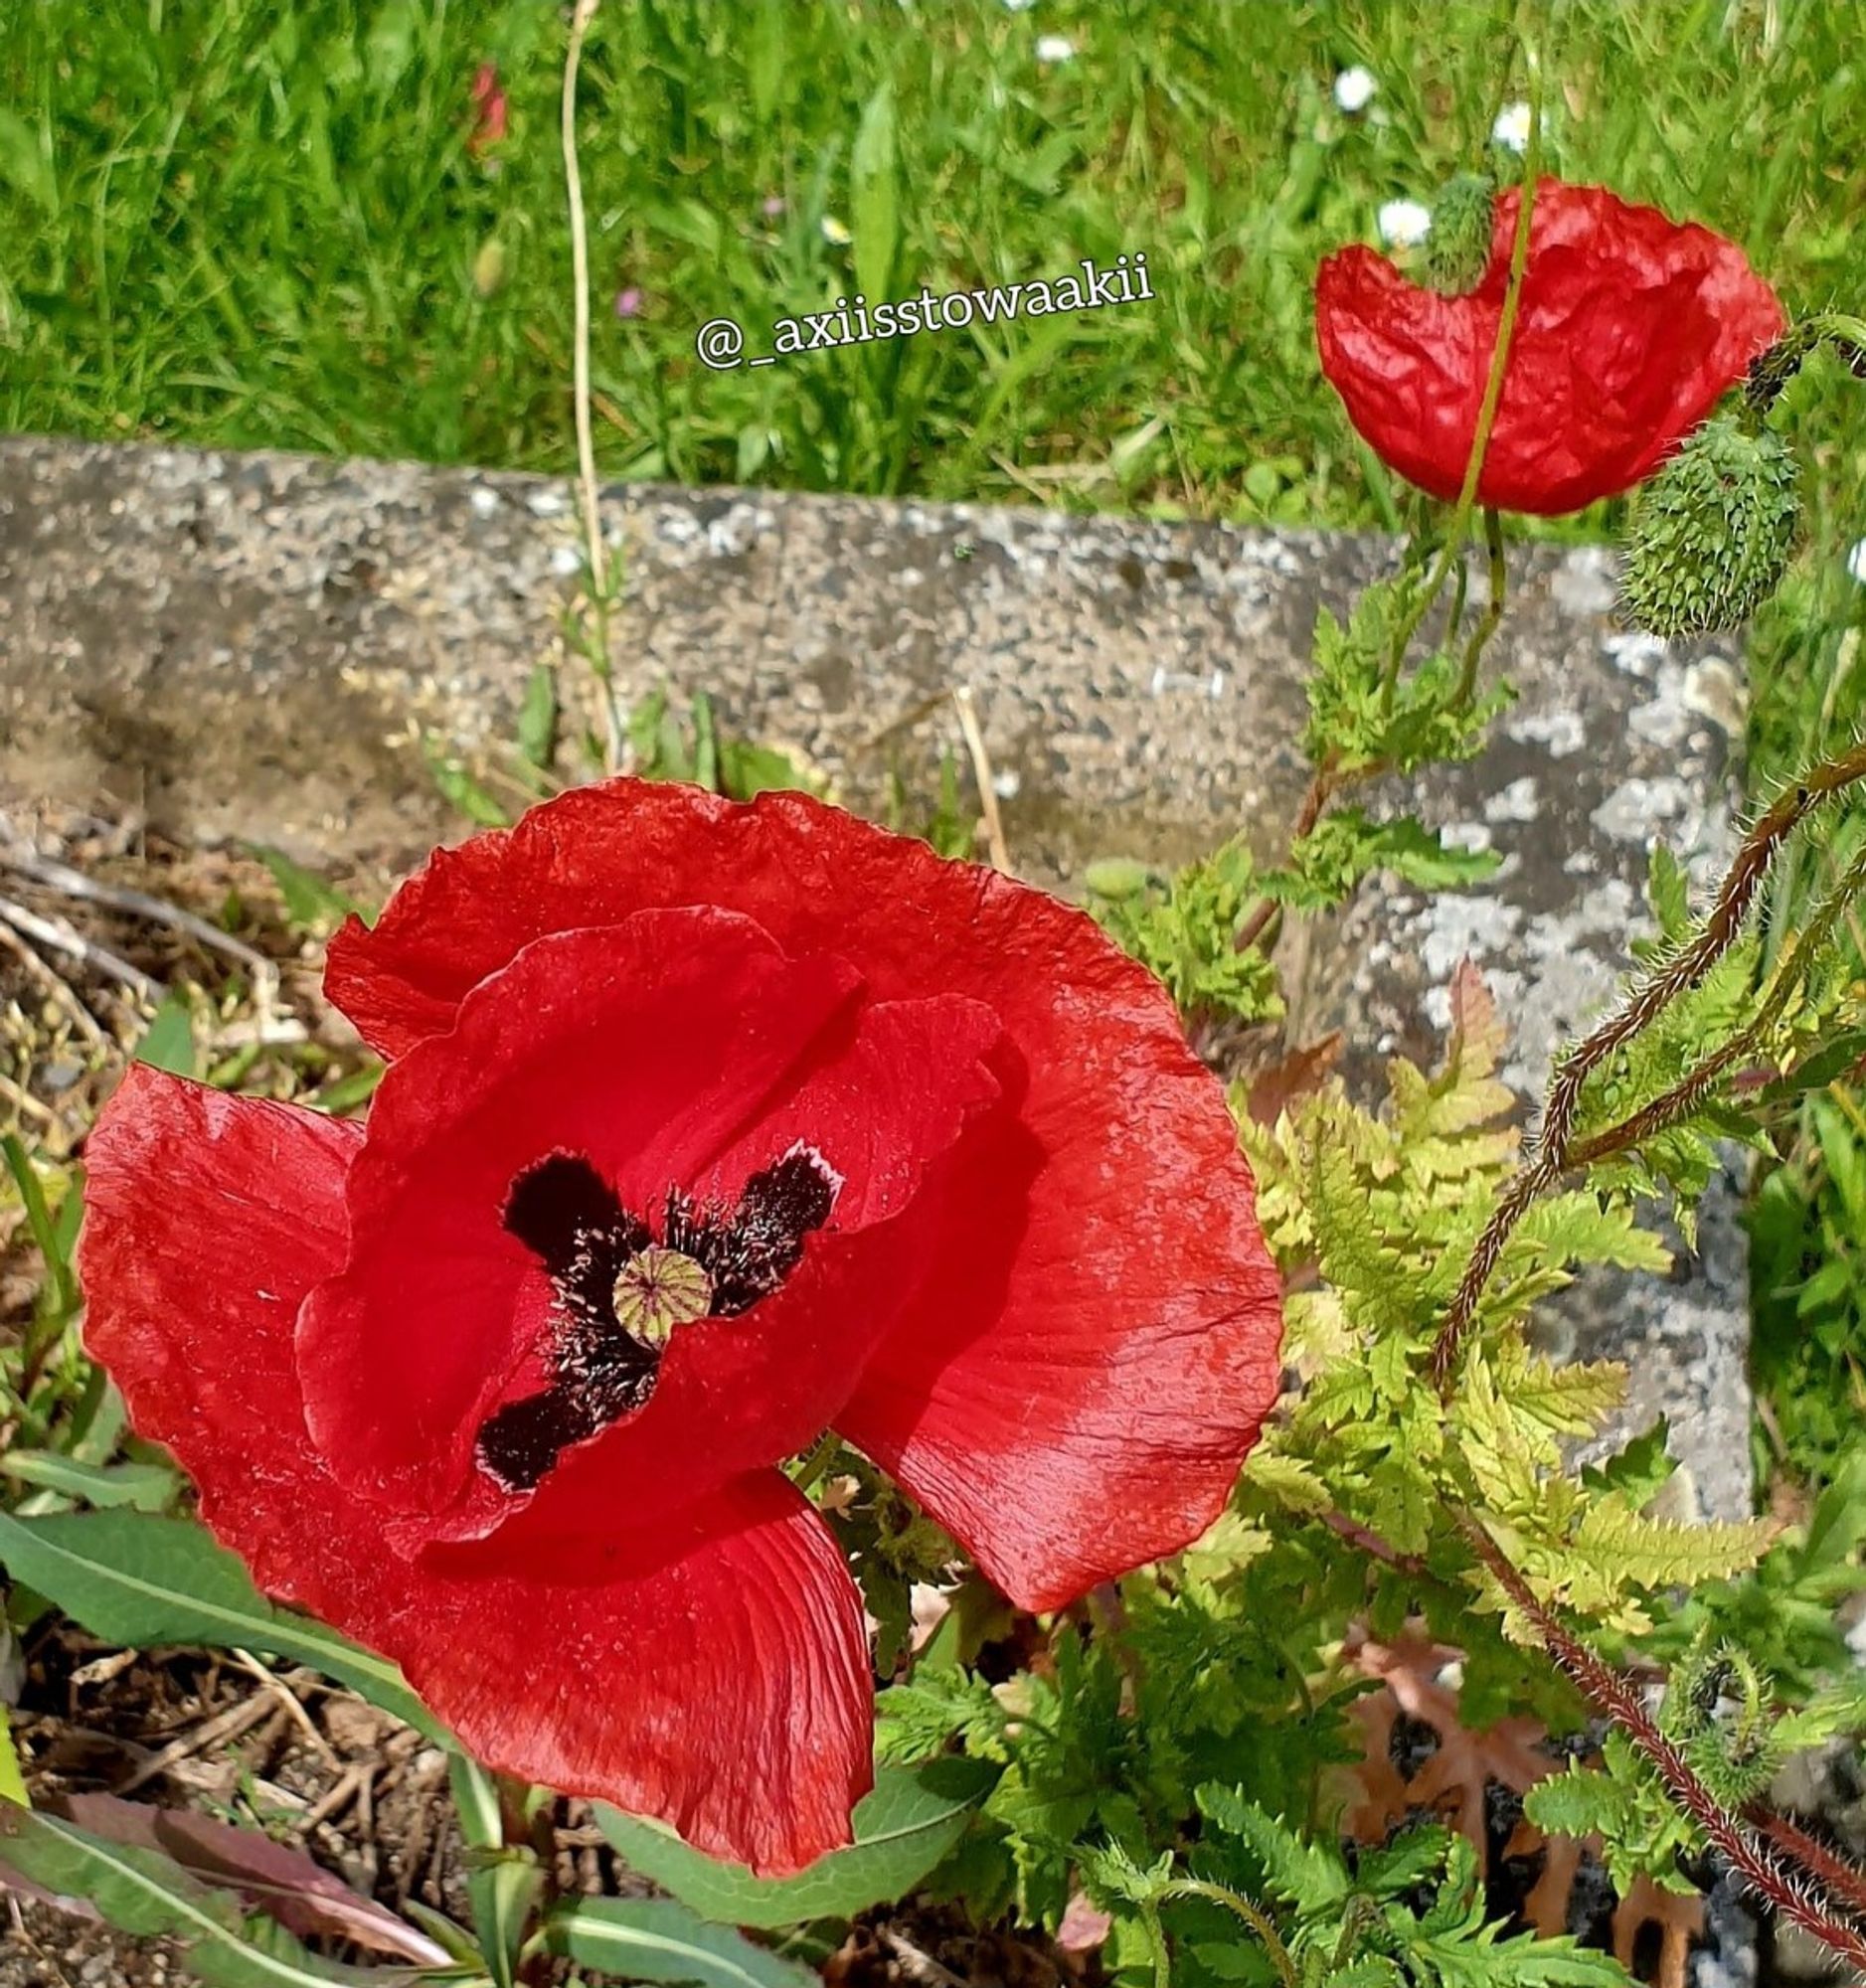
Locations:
{"points": [[1630, 328], [704, 1129]]}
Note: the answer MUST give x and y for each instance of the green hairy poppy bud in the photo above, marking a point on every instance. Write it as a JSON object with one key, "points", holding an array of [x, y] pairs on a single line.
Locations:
{"points": [[1712, 532], [1458, 250]]}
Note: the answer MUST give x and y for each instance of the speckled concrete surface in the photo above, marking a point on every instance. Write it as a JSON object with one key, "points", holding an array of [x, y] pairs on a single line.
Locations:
{"points": [[252, 646]]}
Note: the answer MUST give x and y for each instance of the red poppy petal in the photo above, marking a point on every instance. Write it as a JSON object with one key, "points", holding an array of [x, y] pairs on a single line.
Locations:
{"points": [[717, 1678], [645, 1047], [714, 1673], [678, 1048], [1072, 1395], [1630, 327], [207, 1219]]}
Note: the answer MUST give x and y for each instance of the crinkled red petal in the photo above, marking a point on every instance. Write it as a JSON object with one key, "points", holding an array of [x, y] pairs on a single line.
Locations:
{"points": [[1071, 1394], [645, 1047], [712, 1673], [1629, 329]]}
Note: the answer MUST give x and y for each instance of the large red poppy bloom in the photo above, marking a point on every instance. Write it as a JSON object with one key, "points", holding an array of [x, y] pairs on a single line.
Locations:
{"points": [[705, 1127], [1630, 328]]}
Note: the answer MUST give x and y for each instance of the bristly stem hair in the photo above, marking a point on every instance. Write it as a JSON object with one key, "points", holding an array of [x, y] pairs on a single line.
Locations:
{"points": [[1793, 1892], [1551, 1153]]}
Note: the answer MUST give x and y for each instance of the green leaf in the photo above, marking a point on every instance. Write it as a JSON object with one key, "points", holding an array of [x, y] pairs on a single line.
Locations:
{"points": [[503, 1884], [659, 1939], [168, 1042], [26, 162], [536, 717], [1670, 890], [873, 196], [143, 1487], [11, 1781], [54, 1247], [142, 1891], [746, 770], [903, 1828], [139, 1581], [1304, 1873], [459, 789], [311, 904], [503, 1891]]}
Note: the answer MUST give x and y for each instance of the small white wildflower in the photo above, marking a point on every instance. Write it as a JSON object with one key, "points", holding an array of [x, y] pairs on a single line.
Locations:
{"points": [[836, 232], [1402, 224], [1054, 48], [1354, 88], [1856, 561], [1018, 6], [1511, 130]]}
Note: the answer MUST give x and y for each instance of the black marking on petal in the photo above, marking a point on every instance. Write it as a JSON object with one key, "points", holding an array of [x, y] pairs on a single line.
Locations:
{"points": [[558, 1204], [525, 1438], [568, 1216], [751, 1251]]}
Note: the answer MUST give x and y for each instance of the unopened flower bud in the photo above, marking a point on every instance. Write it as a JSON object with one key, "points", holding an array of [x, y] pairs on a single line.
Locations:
{"points": [[1458, 250], [1712, 532]]}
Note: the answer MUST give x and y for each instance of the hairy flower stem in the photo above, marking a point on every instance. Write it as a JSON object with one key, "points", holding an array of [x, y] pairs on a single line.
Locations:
{"points": [[1493, 609], [1454, 547], [1790, 1889], [597, 645], [1690, 1091], [1251, 1914], [1550, 1156], [1847, 1885]]}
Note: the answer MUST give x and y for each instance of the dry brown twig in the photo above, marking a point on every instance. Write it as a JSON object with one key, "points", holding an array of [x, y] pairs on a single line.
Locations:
{"points": [[995, 845]]}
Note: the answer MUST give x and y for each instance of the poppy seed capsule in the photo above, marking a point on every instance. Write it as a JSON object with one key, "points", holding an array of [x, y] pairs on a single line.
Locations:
{"points": [[1458, 250], [1712, 532], [658, 1289]]}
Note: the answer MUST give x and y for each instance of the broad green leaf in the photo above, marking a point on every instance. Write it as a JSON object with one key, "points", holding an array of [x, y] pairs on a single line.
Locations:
{"points": [[143, 1487], [903, 1829], [144, 1892], [168, 1042], [276, 1879], [875, 197], [659, 1939], [139, 1581]]}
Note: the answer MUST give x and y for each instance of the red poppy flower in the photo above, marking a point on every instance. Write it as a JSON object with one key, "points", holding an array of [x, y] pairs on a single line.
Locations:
{"points": [[489, 112], [1630, 328], [704, 1129]]}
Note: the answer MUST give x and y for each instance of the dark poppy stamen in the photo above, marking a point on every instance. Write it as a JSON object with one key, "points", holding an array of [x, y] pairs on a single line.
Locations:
{"points": [[620, 1293], [751, 1251]]}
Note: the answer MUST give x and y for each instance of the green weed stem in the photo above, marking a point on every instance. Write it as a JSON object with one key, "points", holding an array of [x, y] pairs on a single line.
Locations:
{"points": [[1454, 547], [597, 646]]}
